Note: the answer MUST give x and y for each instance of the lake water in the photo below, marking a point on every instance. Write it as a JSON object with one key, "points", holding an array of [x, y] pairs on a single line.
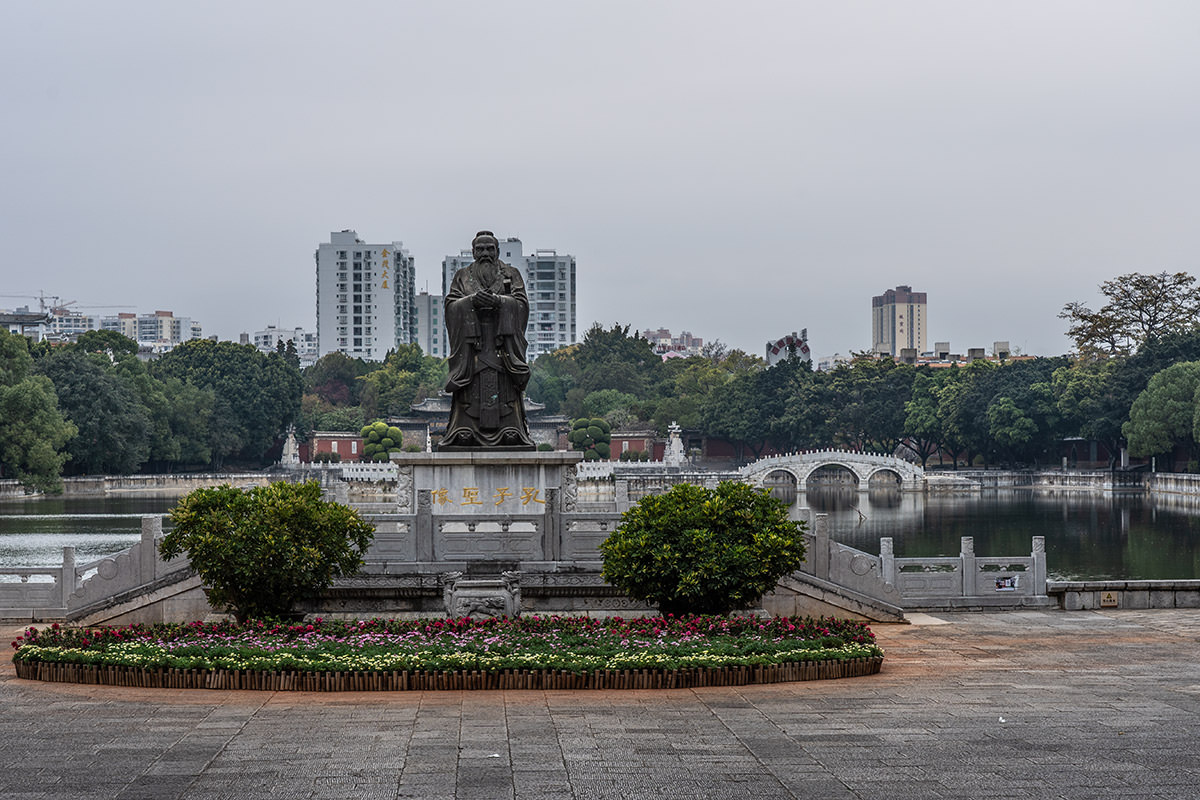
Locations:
{"points": [[1123, 536], [1117, 537], [34, 532]]}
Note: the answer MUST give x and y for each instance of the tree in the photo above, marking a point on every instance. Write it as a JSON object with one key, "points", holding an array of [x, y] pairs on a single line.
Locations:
{"points": [[703, 551], [114, 427], [922, 427], [1140, 308], [593, 437], [261, 551], [257, 394], [379, 440], [109, 342], [335, 378], [405, 377], [1164, 415], [33, 431]]}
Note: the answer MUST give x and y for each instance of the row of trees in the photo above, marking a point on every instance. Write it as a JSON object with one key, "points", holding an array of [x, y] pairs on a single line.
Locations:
{"points": [[94, 407]]}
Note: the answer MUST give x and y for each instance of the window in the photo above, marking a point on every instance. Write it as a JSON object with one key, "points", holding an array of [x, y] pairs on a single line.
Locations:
{"points": [[354, 448]]}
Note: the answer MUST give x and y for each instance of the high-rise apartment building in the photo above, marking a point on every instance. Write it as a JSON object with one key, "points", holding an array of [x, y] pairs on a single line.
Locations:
{"points": [[366, 297], [899, 321], [550, 284], [431, 330]]}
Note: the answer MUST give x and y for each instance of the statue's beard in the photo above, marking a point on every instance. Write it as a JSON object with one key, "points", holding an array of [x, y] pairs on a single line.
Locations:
{"points": [[487, 271]]}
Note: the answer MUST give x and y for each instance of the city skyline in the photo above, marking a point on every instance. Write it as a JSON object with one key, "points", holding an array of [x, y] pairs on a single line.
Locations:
{"points": [[1004, 159]]}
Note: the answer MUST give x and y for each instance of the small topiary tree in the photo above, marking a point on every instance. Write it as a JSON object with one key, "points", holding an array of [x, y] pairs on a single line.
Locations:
{"points": [[379, 440], [593, 436], [260, 551], [703, 551]]}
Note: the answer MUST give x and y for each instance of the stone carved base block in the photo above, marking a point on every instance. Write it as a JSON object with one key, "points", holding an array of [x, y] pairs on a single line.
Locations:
{"points": [[482, 597]]}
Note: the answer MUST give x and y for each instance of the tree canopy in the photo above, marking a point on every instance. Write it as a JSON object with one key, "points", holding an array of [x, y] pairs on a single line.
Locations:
{"points": [[1140, 308]]}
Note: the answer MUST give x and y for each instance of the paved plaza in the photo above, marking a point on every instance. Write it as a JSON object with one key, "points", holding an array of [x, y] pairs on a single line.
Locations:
{"points": [[1050, 704]]}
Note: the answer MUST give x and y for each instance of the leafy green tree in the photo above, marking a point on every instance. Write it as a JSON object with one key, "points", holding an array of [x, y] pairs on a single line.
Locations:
{"points": [[552, 376], [869, 397], [922, 426], [700, 551], [257, 394], [733, 412], [1140, 308], [109, 342], [1165, 414], [406, 377], [113, 424], [1010, 427], [33, 432], [261, 551]]}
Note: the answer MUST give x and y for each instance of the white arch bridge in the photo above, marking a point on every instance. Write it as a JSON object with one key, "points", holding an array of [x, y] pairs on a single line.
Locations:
{"points": [[868, 468]]}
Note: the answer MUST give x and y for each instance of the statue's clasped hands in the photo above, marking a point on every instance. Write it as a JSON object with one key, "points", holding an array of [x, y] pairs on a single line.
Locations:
{"points": [[486, 298]]}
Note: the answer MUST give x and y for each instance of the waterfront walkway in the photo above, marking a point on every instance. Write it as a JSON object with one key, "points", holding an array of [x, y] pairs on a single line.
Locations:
{"points": [[1051, 704]]}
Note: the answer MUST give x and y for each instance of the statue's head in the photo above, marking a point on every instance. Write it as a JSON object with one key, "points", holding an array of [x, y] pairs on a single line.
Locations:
{"points": [[485, 246]]}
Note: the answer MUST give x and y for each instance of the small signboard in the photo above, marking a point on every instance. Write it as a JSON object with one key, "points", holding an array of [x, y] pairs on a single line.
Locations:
{"points": [[1108, 599], [1006, 584]]}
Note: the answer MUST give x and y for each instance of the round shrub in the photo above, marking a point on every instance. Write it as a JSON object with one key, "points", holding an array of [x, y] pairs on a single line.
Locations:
{"points": [[545, 447], [386, 443], [258, 552], [602, 449], [395, 434], [703, 551]]}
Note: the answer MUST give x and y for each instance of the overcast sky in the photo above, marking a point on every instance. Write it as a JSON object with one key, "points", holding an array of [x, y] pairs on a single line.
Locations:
{"points": [[738, 170]]}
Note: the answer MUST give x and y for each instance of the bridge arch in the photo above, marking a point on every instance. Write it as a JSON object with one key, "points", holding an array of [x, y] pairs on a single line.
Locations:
{"points": [[883, 469]]}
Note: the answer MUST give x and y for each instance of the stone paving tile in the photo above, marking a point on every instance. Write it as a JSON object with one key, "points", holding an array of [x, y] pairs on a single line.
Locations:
{"points": [[1094, 705]]}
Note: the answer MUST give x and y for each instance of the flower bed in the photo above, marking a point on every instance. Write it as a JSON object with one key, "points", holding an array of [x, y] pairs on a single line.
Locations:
{"points": [[527, 652]]}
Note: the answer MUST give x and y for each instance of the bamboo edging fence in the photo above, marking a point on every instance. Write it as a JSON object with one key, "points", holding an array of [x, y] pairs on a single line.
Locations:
{"points": [[300, 681]]}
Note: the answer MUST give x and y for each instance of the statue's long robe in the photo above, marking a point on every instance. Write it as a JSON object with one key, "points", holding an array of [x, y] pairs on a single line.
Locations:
{"points": [[487, 367]]}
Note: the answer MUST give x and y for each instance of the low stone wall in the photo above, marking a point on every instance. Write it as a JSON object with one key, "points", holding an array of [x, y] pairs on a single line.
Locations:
{"points": [[1173, 483], [1081, 595], [161, 484]]}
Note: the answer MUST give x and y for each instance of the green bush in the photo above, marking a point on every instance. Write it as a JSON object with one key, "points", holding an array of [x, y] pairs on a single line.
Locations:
{"points": [[592, 437], [387, 443], [703, 551], [545, 447], [260, 551], [412, 448], [395, 434]]}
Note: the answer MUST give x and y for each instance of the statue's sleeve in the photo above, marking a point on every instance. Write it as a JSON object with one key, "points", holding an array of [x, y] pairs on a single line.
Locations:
{"points": [[462, 327], [514, 307]]}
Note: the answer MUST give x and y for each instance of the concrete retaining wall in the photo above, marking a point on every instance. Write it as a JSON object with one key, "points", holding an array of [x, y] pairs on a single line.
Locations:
{"points": [[1080, 595]]}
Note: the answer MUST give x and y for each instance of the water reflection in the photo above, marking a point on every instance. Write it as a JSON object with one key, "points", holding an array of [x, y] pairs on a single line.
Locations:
{"points": [[1125, 536], [34, 532]]}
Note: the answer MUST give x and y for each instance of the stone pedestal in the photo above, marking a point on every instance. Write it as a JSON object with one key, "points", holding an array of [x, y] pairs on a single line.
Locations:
{"points": [[498, 508]]}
